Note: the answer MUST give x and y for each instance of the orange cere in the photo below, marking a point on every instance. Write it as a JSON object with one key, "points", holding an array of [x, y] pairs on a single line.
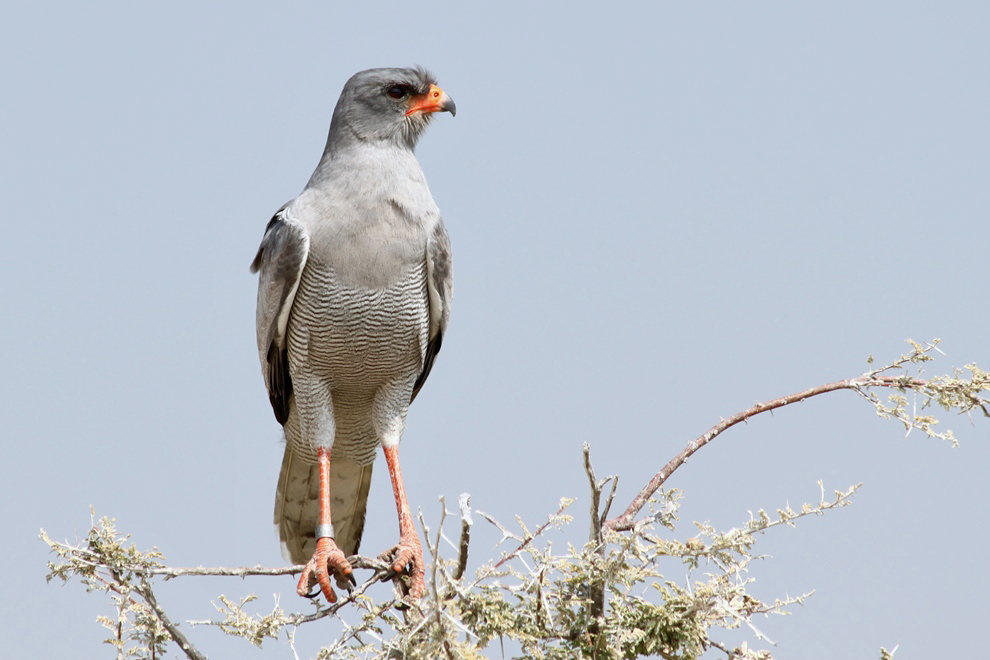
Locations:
{"points": [[435, 100]]}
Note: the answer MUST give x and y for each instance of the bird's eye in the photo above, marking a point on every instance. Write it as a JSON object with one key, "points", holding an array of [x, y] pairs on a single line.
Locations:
{"points": [[397, 91]]}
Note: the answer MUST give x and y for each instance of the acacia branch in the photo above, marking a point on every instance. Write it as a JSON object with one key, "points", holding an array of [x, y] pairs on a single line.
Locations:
{"points": [[242, 571], [380, 567], [529, 537], [597, 587], [356, 561], [625, 521], [722, 647], [538, 611], [464, 503], [183, 642], [596, 496]]}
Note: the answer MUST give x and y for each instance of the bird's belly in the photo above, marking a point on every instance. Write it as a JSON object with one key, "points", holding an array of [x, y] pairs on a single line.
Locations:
{"points": [[358, 339], [352, 345]]}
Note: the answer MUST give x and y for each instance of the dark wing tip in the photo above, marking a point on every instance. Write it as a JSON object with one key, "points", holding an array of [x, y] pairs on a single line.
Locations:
{"points": [[256, 264], [431, 355], [279, 382]]}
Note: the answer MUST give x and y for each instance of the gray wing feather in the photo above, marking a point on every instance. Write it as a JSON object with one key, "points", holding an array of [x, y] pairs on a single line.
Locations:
{"points": [[440, 288], [280, 262]]}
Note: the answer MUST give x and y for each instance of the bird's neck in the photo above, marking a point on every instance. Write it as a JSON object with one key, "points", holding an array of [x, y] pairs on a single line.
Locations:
{"points": [[376, 163]]}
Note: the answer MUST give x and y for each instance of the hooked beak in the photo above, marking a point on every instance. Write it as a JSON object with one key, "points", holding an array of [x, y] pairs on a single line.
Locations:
{"points": [[435, 100]]}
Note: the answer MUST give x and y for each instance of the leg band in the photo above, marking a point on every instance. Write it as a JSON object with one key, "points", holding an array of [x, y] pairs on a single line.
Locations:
{"points": [[324, 530]]}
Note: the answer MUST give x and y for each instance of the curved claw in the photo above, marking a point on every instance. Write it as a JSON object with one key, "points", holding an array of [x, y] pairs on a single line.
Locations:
{"points": [[407, 559], [326, 560]]}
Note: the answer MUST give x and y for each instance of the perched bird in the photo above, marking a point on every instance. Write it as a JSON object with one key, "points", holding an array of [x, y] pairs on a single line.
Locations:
{"points": [[354, 294]]}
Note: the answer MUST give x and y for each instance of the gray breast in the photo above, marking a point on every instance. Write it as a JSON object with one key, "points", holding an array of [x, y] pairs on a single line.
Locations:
{"points": [[350, 342]]}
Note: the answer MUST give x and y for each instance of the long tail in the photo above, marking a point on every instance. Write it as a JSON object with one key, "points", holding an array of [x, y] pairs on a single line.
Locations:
{"points": [[297, 504]]}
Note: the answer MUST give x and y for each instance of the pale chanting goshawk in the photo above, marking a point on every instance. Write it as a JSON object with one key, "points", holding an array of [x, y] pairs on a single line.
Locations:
{"points": [[354, 295]]}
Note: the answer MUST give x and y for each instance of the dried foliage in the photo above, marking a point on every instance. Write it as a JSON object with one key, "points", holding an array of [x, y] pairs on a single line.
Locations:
{"points": [[612, 598], [105, 562], [955, 392]]}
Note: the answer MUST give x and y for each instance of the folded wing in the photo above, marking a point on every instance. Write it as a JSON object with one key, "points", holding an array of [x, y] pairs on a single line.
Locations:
{"points": [[280, 262], [439, 286]]}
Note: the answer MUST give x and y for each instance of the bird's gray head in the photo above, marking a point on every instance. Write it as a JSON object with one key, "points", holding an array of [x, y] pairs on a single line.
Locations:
{"points": [[387, 105]]}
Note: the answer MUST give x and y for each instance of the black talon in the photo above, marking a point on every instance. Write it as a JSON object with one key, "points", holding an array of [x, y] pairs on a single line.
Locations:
{"points": [[389, 574], [316, 593], [350, 578]]}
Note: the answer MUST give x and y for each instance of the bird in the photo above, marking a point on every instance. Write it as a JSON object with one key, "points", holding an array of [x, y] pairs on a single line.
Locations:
{"points": [[354, 296]]}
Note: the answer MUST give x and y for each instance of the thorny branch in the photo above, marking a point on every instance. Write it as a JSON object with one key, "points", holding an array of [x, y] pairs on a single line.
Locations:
{"points": [[180, 639], [948, 392], [530, 537], [464, 503], [169, 572], [104, 562], [242, 571], [597, 588], [437, 567], [552, 604]]}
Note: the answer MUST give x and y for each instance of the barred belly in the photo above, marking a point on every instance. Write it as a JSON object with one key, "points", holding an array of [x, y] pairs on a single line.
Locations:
{"points": [[351, 343]]}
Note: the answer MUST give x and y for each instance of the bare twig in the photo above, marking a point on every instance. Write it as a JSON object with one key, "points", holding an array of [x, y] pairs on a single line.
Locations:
{"points": [[597, 587], [506, 533], [242, 571], [611, 496], [380, 568], [436, 564], [464, 503], [356, 561], [596, 497], [352, 633], [625, 521], [183, 642], [722, 647], [529, 537]]}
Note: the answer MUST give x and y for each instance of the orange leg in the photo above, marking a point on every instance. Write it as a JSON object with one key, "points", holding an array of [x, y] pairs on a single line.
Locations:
{"points": [[328, 558], [408, 552]]}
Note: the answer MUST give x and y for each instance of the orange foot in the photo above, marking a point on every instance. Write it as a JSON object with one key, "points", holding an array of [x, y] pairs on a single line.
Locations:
{"points": [[327, 560], [407, 558]]}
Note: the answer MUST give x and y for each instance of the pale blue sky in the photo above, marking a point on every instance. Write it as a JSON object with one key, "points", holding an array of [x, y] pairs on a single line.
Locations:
{"points": [[659, 214]]}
